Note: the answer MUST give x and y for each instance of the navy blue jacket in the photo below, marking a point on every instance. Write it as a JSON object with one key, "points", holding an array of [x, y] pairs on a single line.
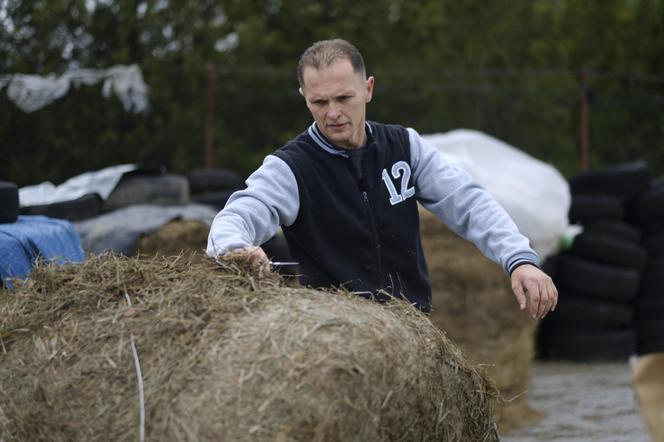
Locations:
{"points": [[351, 230]]}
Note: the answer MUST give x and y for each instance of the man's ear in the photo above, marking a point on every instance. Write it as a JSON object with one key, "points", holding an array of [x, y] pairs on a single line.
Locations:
{"points": [[370, 86], [300, 91]]}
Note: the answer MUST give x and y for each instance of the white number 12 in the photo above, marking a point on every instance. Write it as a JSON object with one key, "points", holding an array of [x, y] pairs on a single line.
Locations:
{"points": [[398, 169]]}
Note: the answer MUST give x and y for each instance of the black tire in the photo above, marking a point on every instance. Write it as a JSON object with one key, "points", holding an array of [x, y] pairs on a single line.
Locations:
{"points": [[649, 309], [591, 208], [608, 250], [614, 228], [590, 346], [148, 189], [549, 266], [650, 330], [214, 199], [652, 227], [623, 181], [206, 180], [649, 206], [8, 202], [87, 206], [601, 281], [655, 244], [549, 327], [655, 263], [647, 346], [652, 280], [574, 309]]}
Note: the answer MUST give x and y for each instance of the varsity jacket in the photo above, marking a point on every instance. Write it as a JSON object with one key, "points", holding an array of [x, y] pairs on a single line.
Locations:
{"points": [[358, 228]]}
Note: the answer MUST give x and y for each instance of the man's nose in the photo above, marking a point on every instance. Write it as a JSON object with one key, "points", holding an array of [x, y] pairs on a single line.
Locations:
{"points": [[333, 112]]}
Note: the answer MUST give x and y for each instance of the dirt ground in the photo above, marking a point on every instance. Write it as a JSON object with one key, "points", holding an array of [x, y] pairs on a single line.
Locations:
{"points": [[582, 402]]}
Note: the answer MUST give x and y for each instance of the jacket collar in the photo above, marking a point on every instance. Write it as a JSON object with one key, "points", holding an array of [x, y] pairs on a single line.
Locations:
{"points": [[324, 144]]}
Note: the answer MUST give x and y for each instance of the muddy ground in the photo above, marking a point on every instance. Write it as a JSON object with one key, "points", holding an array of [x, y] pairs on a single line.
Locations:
{"points": [[582, 402]]}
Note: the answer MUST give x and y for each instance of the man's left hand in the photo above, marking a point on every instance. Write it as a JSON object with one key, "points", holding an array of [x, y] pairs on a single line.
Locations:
{"points": [[531, 284]]}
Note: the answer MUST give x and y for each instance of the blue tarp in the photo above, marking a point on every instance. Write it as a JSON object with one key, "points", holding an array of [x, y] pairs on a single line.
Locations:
{"points": [[22, 242]]}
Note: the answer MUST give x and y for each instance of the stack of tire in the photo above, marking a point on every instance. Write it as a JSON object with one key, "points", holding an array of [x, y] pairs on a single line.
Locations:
{"points": [[598, 277], [213, 187], [143, 186], [647, 211], [136, 187]]}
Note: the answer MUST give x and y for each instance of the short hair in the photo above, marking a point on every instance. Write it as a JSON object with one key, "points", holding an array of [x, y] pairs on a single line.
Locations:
{"points": [[323, 53]]}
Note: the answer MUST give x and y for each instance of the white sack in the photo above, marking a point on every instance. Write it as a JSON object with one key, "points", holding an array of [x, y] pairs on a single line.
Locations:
{"points": [[534, 193]]}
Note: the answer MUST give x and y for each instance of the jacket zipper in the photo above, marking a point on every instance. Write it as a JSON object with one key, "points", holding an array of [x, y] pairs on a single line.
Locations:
{"points": [[365, 198]]}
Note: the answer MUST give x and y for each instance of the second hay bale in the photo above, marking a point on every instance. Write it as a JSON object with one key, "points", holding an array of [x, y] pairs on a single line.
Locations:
{"points": [[473, 302], [174, 238]]}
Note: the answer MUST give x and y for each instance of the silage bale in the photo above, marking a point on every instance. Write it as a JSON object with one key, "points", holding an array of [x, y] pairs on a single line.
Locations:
{"points": [[472, 301], [224, 355]]}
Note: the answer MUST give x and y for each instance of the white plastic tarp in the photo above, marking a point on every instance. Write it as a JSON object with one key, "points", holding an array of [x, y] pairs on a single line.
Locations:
{"points": [[534, 193], [32, 92], [101, 182]]}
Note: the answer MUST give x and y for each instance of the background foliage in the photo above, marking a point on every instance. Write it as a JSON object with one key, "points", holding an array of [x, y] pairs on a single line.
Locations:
{"points": [[509, 68]]}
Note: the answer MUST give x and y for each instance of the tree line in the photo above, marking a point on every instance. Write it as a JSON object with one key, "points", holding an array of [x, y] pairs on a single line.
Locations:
{"points": [[510, 68]]}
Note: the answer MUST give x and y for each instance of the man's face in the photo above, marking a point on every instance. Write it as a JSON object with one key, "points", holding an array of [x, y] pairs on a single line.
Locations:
{"points": [[337, 98]]}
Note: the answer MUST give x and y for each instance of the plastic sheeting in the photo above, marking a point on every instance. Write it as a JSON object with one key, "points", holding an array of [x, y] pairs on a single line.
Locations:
{"points": [[31, 236], [101, 182], [534, 193], [32, 92], [119, 231]]}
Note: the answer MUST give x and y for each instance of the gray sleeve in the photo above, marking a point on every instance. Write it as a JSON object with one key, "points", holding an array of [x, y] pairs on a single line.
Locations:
{"points": [[252, 216], [465, 207]]}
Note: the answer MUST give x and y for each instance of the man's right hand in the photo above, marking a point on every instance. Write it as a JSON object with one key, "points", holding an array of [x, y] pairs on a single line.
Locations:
{"points": [[256, 255]]}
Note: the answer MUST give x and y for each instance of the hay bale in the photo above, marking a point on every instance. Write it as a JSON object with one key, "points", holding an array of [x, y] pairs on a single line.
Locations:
{"points": [[472, 301], [175, 238], [224, 356]]}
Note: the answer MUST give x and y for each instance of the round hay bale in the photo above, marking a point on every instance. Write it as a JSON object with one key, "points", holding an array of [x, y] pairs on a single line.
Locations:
{"points": [[224, 355], [174, 238], [472, 301]]}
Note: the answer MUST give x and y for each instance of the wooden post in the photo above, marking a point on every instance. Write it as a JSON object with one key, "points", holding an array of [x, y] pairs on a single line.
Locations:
{"points": [[583, 129], [208, 136]]}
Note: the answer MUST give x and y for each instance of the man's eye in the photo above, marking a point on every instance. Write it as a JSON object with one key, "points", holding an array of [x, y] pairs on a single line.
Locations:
{"points": [[319, 103], [344, 98]]}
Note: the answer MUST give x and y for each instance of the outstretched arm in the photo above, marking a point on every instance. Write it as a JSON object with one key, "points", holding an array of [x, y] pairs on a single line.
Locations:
{"points": [[465, 207], [470, 211]]}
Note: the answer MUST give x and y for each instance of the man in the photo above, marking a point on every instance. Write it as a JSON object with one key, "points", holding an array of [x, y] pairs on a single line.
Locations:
{"points": [[346, 191]]}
